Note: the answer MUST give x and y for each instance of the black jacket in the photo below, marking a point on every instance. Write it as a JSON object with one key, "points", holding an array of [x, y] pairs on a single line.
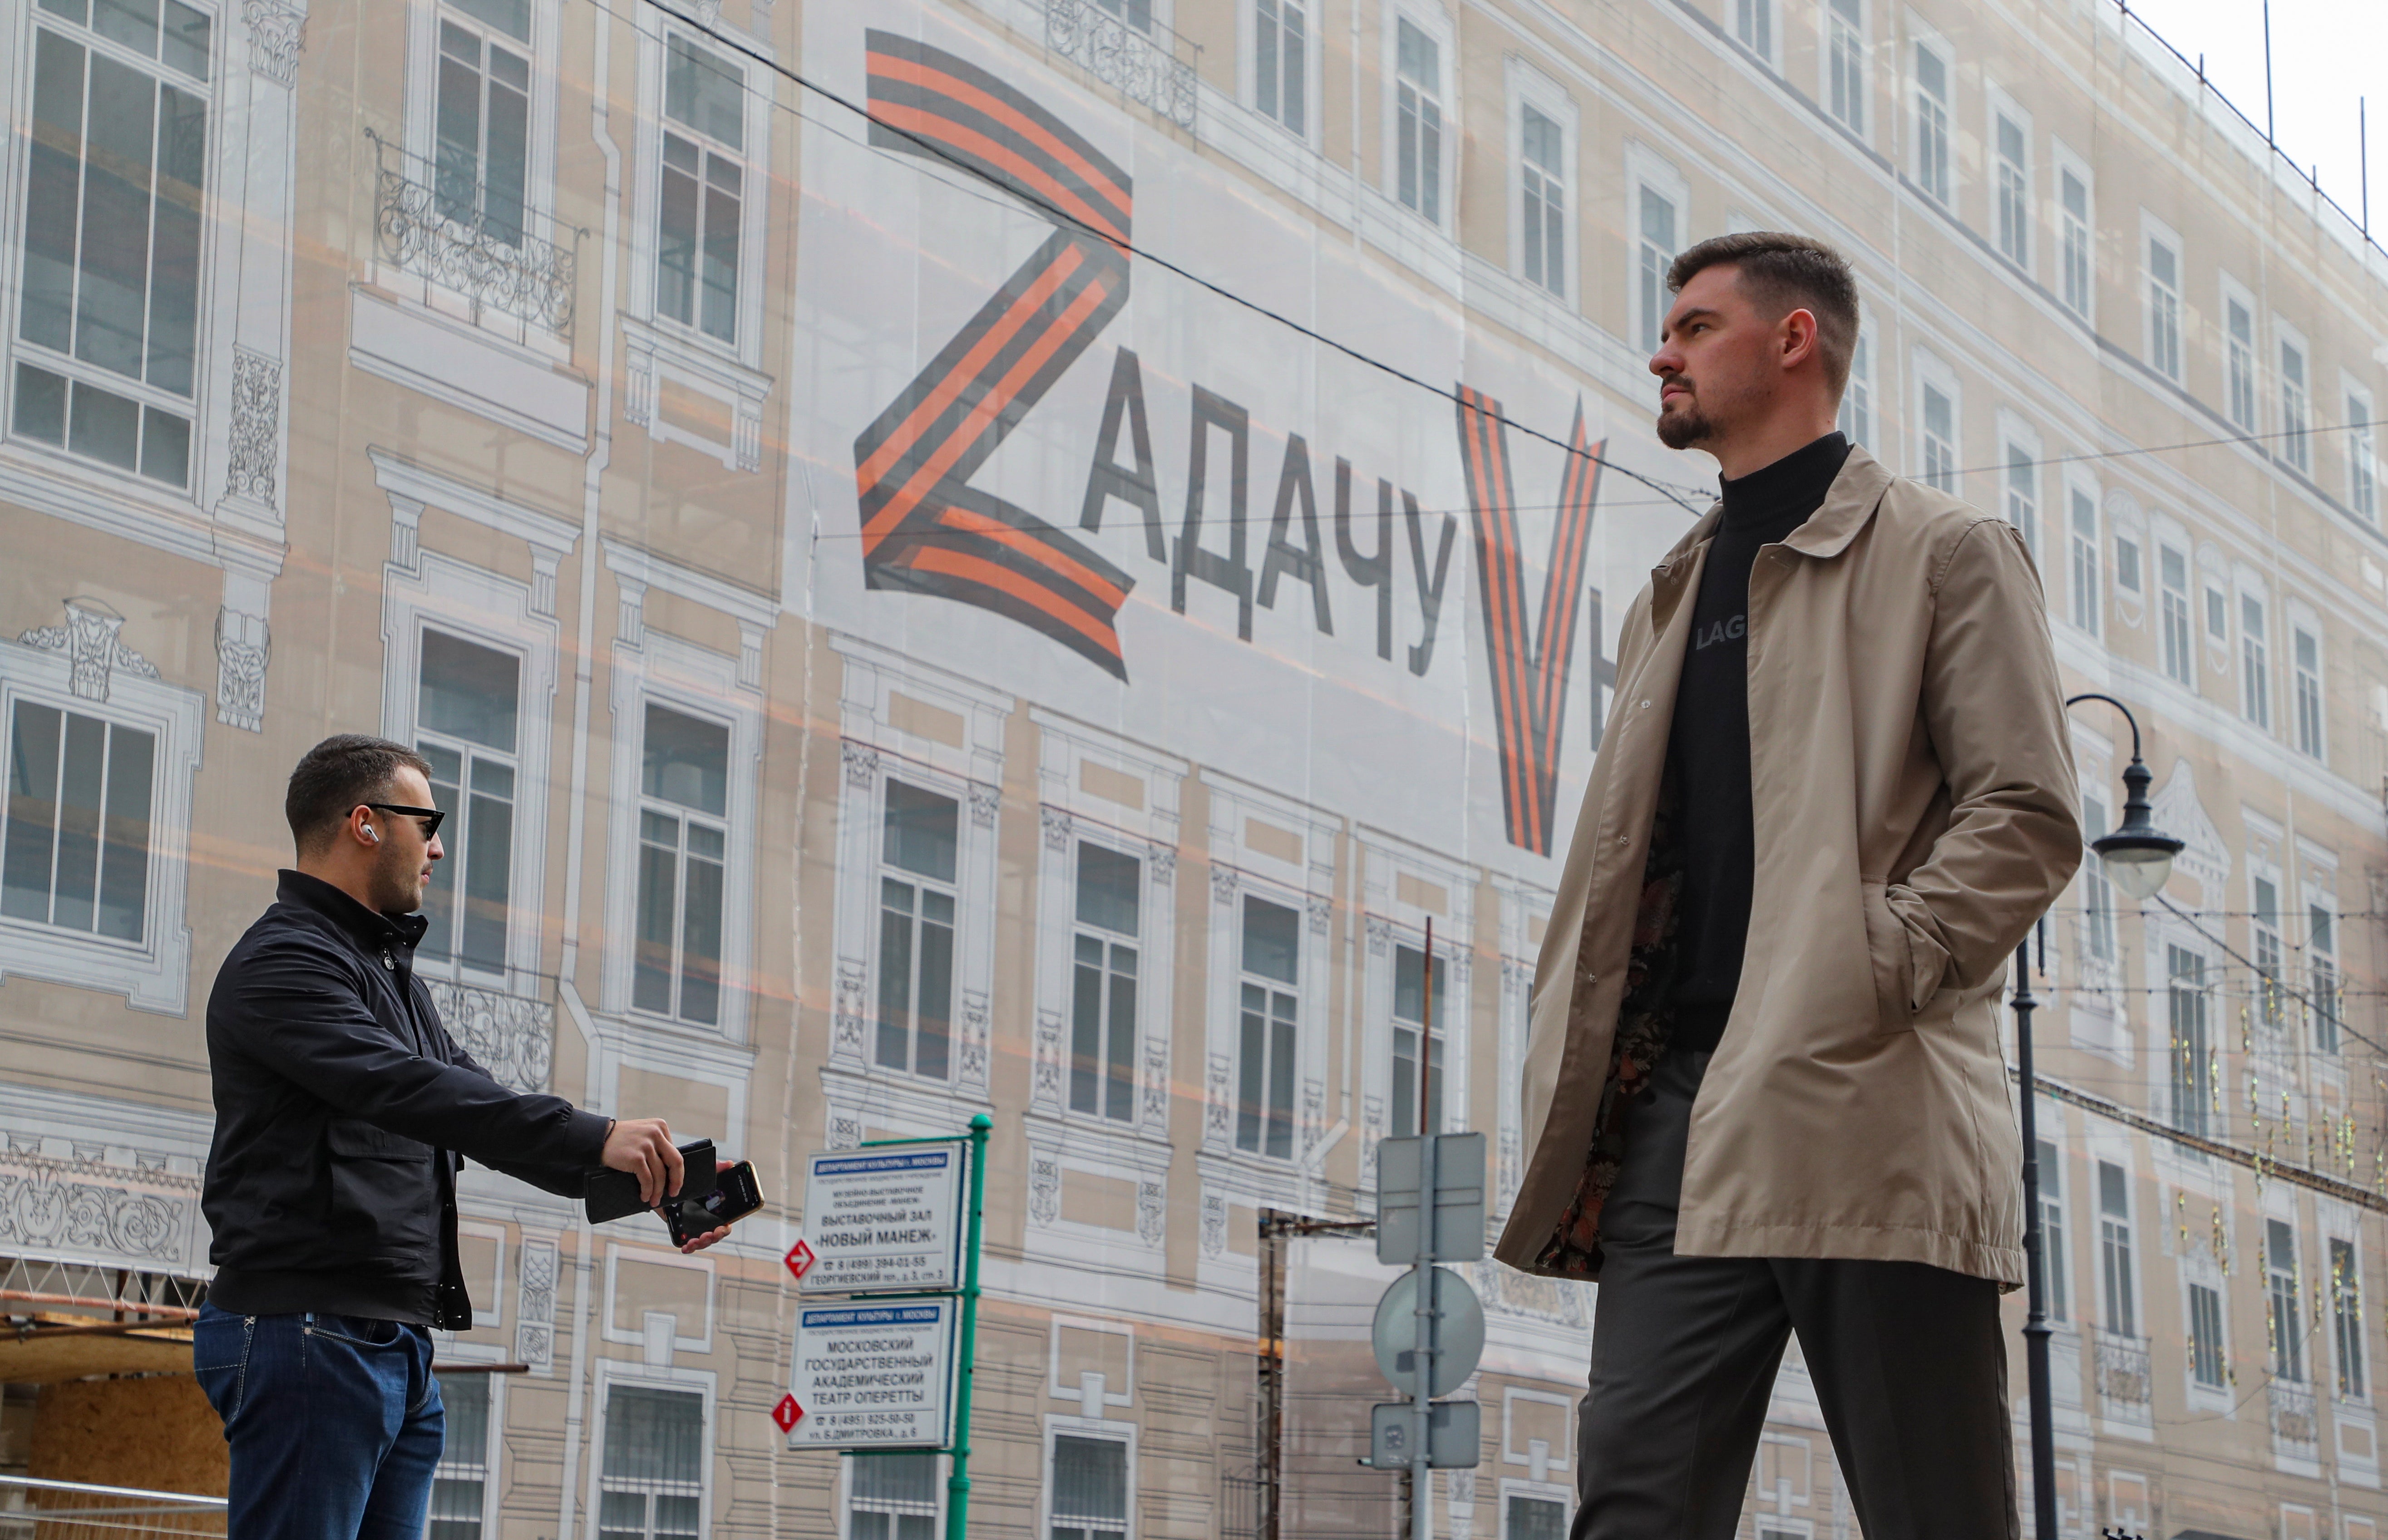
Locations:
{"points": [[343, 1108]]}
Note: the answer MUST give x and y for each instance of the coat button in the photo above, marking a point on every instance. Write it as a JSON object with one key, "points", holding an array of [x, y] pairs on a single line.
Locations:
{"points": [[1625, 840]]}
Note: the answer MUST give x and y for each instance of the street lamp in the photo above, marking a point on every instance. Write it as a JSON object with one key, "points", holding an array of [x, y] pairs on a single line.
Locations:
{"points": [[2138, 858]]}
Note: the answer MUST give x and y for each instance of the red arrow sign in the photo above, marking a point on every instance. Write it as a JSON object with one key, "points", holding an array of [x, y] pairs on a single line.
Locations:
{"points": [[800, 1262], [787, 1414]]}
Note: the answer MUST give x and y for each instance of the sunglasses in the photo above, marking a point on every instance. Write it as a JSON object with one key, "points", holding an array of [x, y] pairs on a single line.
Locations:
{"points": [[432, 817]]}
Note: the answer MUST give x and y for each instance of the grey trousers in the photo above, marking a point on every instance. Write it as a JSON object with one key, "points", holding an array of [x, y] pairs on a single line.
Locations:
{"points": [[1909, 1363]]}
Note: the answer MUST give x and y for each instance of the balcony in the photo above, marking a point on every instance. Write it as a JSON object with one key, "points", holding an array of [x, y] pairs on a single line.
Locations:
{"points": [[436, 228], [2125, 1385], [510, 1036], [1149, 64], [2297, 1431]]}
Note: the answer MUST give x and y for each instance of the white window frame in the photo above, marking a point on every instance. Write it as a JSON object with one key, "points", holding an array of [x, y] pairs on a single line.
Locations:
{"points": [[2215, 603], [1545, 1492], [1247, 73], [2085, 567], [1759, 17], [2024, 505], [2299, 421], [2134, 1253], [1931, 373], [483, 607], [2170, 538], [2312, 744], [2075, 240], [650, 666], [1844, 43], [155, 973], [2015, 246], [491, 1454], [700, 1381], [1393, 874], [2243, 362], [938, 1461], [2164, 311], [2354, 1242], [1931, 120], [2062, 1296], [1529, 87], [2196, 1272], [1647, 171], [2127, 526], [2291, 1346], [2258, 657], [2319, 891], [1436, 24], [2362, 460], [2268, 1011], [1106, 1430], [1855, 417]]}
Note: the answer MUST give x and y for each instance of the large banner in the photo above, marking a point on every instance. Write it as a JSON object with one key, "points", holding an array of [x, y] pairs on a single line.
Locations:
{"points": [[1069, 431]]}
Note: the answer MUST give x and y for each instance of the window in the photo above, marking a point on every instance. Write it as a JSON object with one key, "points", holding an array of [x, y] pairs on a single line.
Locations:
{"points": [[1270, 963], [2308, 682], [1932, 123], [1527, 1518], [1857, 399], [2254, 663], [683, 840], [2270, 1006], [2052, 1229], [2097, 890], [2205, 1362], [919, 847], [2346, 1317], [1410, 1063], [2192, 1045], [653, 1483], [2296, 407], [704, 189], [1089, 1488], [2022, 493], [894, 1497], [2114, 1249], [2238, 341], [1137, 14], [1542, 191], [1102, 1000], [1753, 23], [1939, 438], [2179, 661], [464, 721], [481, 151], [2321, 965], [462, 1478], [1417, 120], [2164, 308], [2073, 214], [1656, 254], [1845, 62], [2088, 598], [2218, 616], [115, 178], [2280, 1313], [75, 855], [2127, 562], [1280, 53], [2014, 191], [2362, 471]]}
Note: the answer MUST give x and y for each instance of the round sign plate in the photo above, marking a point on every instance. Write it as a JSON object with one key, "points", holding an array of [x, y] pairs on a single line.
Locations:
{"points": [[1458, 1338]]}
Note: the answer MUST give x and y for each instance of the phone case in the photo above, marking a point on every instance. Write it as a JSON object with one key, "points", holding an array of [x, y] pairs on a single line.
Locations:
{"points": [[736, 1195], [611, 1195]]}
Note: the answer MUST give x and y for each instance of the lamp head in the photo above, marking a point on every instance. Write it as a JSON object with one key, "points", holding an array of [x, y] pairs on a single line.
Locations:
{"points": [[2137, 856]]}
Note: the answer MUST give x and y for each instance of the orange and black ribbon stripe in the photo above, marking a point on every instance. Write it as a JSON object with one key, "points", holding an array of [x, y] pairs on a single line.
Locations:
{"points": [[1530, 668], [924, 528]]}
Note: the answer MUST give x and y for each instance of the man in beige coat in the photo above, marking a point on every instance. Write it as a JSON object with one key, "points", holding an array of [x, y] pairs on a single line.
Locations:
{"points": [[1765, 1090]]}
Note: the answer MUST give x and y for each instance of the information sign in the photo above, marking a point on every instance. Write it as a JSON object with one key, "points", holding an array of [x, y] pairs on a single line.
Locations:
{"points": [[889, 1217], [874, 1376]]}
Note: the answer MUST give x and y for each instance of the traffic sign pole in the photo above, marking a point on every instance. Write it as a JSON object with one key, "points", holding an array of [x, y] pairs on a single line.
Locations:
{"points": [[957, 1485], [1422, 1397]]}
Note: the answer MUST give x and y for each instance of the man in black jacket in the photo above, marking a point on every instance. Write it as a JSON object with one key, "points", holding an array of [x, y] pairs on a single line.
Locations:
{"points": [[344, 1111]]}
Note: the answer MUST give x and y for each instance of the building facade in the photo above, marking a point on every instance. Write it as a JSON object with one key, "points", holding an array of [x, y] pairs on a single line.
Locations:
{"points": [[1058, 558]]}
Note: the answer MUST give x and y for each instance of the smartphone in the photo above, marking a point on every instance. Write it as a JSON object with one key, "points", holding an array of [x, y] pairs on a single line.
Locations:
{"points": [[610, 1194], [735, 1195]]}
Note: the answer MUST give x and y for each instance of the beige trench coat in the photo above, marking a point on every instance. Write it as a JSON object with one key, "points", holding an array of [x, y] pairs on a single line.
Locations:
{"points": [[1915, 812]]}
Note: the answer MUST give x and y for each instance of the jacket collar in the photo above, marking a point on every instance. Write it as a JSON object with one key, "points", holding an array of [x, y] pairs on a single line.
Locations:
{"points": [[1854, 494], [372, 928]]}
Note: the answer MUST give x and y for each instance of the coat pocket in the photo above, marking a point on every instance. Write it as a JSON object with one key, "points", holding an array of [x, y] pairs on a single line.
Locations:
{"points": [[1888, 954]]}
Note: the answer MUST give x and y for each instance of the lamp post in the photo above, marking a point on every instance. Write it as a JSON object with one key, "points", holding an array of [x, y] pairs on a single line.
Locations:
{"points": [[2138, 858]]}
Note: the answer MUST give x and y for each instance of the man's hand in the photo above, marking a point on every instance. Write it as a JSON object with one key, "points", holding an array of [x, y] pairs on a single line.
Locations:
{"points": [[699, 1243], [644, 1147]]}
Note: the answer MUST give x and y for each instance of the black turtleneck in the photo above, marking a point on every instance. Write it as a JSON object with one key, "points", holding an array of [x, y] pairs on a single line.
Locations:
{"points": [[1707, 748]]}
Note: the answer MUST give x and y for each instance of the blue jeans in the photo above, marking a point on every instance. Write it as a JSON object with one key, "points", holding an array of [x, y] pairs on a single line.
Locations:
{"points": [[335, 1423]]}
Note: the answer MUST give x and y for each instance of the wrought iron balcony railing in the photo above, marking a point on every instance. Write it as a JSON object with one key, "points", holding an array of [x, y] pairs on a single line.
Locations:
{"points": [[2124, 1381], [1148, 63], [2295, 1427], [438, 227]]}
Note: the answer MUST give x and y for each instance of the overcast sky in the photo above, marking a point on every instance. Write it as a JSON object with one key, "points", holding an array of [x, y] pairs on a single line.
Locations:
{"points": [[2325, 55]]}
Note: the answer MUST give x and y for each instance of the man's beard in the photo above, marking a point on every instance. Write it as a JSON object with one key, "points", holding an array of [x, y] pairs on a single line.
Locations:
{"points": [[1683, 425]]}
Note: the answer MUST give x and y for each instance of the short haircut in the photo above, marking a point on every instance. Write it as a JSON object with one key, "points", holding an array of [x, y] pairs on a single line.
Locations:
{"points": [[1783, 272], [337, 775]]}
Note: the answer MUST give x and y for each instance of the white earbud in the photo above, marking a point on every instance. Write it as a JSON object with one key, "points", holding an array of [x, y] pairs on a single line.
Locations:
{"points": [[371, 835]]}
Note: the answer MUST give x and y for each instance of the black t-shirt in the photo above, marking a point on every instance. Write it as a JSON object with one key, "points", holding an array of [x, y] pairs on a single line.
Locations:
{"points": [[1708, 747]]}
